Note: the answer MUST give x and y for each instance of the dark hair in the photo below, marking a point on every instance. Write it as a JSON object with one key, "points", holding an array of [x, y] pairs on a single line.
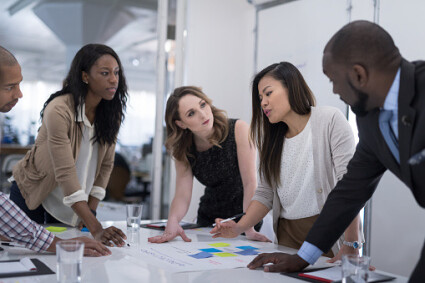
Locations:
{"points": [[109, 114], [179, 141], [269, 137], [364, 43]]}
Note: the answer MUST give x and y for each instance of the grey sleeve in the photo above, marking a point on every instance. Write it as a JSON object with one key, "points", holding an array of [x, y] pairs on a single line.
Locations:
{"points": [[264, 194], [342, 143]]}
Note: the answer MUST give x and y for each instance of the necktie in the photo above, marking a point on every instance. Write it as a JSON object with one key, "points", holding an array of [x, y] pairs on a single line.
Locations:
{"points": [[387, 132]]}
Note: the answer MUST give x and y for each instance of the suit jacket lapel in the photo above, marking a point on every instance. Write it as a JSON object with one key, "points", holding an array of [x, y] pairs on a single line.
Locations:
{"points": [[406, 117]]}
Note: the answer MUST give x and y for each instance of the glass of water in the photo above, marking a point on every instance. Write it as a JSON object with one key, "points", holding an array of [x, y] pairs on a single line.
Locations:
{"points": [[69, 256], [355, 268], [134, 215]]}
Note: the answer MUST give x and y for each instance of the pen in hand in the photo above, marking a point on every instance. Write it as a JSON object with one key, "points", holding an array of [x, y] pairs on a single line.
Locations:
{"points": [[231, 218]]}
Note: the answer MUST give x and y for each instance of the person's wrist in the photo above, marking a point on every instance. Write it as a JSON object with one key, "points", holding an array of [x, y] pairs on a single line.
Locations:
{"points": [[172, 220], [250, 230], [95, 230], [52, 247], [354, 244], [300, 263], [240, 229]]}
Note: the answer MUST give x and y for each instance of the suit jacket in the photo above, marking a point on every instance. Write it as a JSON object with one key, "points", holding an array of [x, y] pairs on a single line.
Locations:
{"points": [[373, 157]]}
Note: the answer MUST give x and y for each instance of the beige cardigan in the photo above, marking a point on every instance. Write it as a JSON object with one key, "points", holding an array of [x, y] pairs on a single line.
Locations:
{"points": [[51, 161], [333, 147]]}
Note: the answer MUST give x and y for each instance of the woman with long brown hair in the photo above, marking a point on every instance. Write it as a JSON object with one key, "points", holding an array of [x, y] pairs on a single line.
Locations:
{"points": [[304, 150], [216, 150]]}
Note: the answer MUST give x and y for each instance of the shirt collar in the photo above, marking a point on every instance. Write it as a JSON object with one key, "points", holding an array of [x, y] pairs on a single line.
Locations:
{"points": [[391, 101], [81, 115]]}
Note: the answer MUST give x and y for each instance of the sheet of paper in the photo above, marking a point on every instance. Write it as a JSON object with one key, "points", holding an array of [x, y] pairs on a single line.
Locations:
{"points": [[197, 256], [24, 265]]}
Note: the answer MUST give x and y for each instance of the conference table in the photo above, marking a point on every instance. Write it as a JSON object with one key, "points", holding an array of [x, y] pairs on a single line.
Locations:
{"points": [[127, 264]]}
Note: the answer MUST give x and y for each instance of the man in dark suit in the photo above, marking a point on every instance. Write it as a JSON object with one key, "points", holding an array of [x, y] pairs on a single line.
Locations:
{"points": [[387, 93]]}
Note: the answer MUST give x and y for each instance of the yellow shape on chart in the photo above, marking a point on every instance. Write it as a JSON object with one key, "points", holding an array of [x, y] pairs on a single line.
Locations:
{"points": [[56, 229], [224, 254], [219, 245]]}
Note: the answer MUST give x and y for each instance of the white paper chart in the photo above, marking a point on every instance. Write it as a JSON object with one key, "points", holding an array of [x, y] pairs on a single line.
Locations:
{"points": [[197, 256]]}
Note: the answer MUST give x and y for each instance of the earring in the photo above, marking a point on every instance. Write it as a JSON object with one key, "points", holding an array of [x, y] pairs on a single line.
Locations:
{"points": [[86, 82]]}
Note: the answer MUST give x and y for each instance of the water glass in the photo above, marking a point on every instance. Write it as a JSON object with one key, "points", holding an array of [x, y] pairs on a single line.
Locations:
{"points": [[134, 215], [355, 268], [69, 256]]}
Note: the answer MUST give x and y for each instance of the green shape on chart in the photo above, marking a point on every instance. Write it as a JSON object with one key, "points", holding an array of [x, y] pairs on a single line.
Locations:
{"points": [[224, 254], [219, 245]]}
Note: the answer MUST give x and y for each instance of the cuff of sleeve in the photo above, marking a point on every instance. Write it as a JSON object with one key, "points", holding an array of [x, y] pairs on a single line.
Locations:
{"points": [[43, 241], [75, 197], [263, 201], [310, 253], [98, 192]]}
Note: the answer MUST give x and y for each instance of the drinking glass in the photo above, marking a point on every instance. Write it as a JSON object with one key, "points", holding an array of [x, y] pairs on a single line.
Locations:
{"points": [[355, 268], [69, 256]]}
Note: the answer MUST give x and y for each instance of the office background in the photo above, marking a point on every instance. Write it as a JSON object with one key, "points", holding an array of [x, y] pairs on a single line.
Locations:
{"points": [[218, 45]]}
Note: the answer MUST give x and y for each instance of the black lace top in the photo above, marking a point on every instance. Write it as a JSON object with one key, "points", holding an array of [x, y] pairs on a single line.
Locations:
{"points": [[218, 169]]}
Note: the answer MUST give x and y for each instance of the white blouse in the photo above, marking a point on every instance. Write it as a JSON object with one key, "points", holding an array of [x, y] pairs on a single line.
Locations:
{"points": [[58, 205], [297, 192]]}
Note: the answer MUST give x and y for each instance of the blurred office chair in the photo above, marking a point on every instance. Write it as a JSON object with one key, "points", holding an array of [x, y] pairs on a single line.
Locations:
{"points": [[120, 177], [6, 170]]}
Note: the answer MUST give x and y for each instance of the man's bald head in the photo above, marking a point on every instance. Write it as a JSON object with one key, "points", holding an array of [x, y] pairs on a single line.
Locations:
{"points": [[364, 43], [10, 78], [7, 58]]}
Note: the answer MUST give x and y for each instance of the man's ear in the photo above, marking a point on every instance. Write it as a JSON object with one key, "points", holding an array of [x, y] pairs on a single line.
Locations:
{"points": [[359, 75], [180, 124]]}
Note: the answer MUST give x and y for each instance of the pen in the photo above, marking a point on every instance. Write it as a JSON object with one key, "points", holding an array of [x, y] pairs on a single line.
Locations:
{"points": [[417, 158], [231, 218], [12, 244]]}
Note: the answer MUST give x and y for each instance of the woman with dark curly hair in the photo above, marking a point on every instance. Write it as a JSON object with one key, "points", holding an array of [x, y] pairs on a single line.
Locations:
{"points": [[64, 176]]}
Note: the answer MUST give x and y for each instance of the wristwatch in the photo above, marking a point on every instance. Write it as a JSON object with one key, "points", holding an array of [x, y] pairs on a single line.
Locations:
{"points": [[354, 245]]}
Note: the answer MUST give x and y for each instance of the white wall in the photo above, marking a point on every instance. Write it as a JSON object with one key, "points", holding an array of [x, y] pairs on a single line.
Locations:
{"points": [[219, 58], [297, 32]]}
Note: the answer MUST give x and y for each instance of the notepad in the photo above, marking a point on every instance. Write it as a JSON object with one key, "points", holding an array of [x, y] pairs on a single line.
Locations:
{"points": [[248, 252], [56, 229], [224, 254], [219, 245], [163, 224], [335, 274], [23, 265], [201, 255]]}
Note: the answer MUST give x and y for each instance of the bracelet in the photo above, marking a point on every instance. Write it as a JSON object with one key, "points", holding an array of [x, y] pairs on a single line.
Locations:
{"points": [[93, 211], [354, 245]]}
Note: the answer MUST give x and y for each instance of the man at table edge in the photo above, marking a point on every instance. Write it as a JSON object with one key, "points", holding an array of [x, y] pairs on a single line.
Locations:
{"points": [[14, 223]]}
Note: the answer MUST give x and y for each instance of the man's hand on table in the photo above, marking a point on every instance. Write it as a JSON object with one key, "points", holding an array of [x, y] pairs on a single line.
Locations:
{"points": [[91, 247], [282, 262]]}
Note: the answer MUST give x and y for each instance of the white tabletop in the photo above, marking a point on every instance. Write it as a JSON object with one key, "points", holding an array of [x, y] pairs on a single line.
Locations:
{"points": [[125, 265]]}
